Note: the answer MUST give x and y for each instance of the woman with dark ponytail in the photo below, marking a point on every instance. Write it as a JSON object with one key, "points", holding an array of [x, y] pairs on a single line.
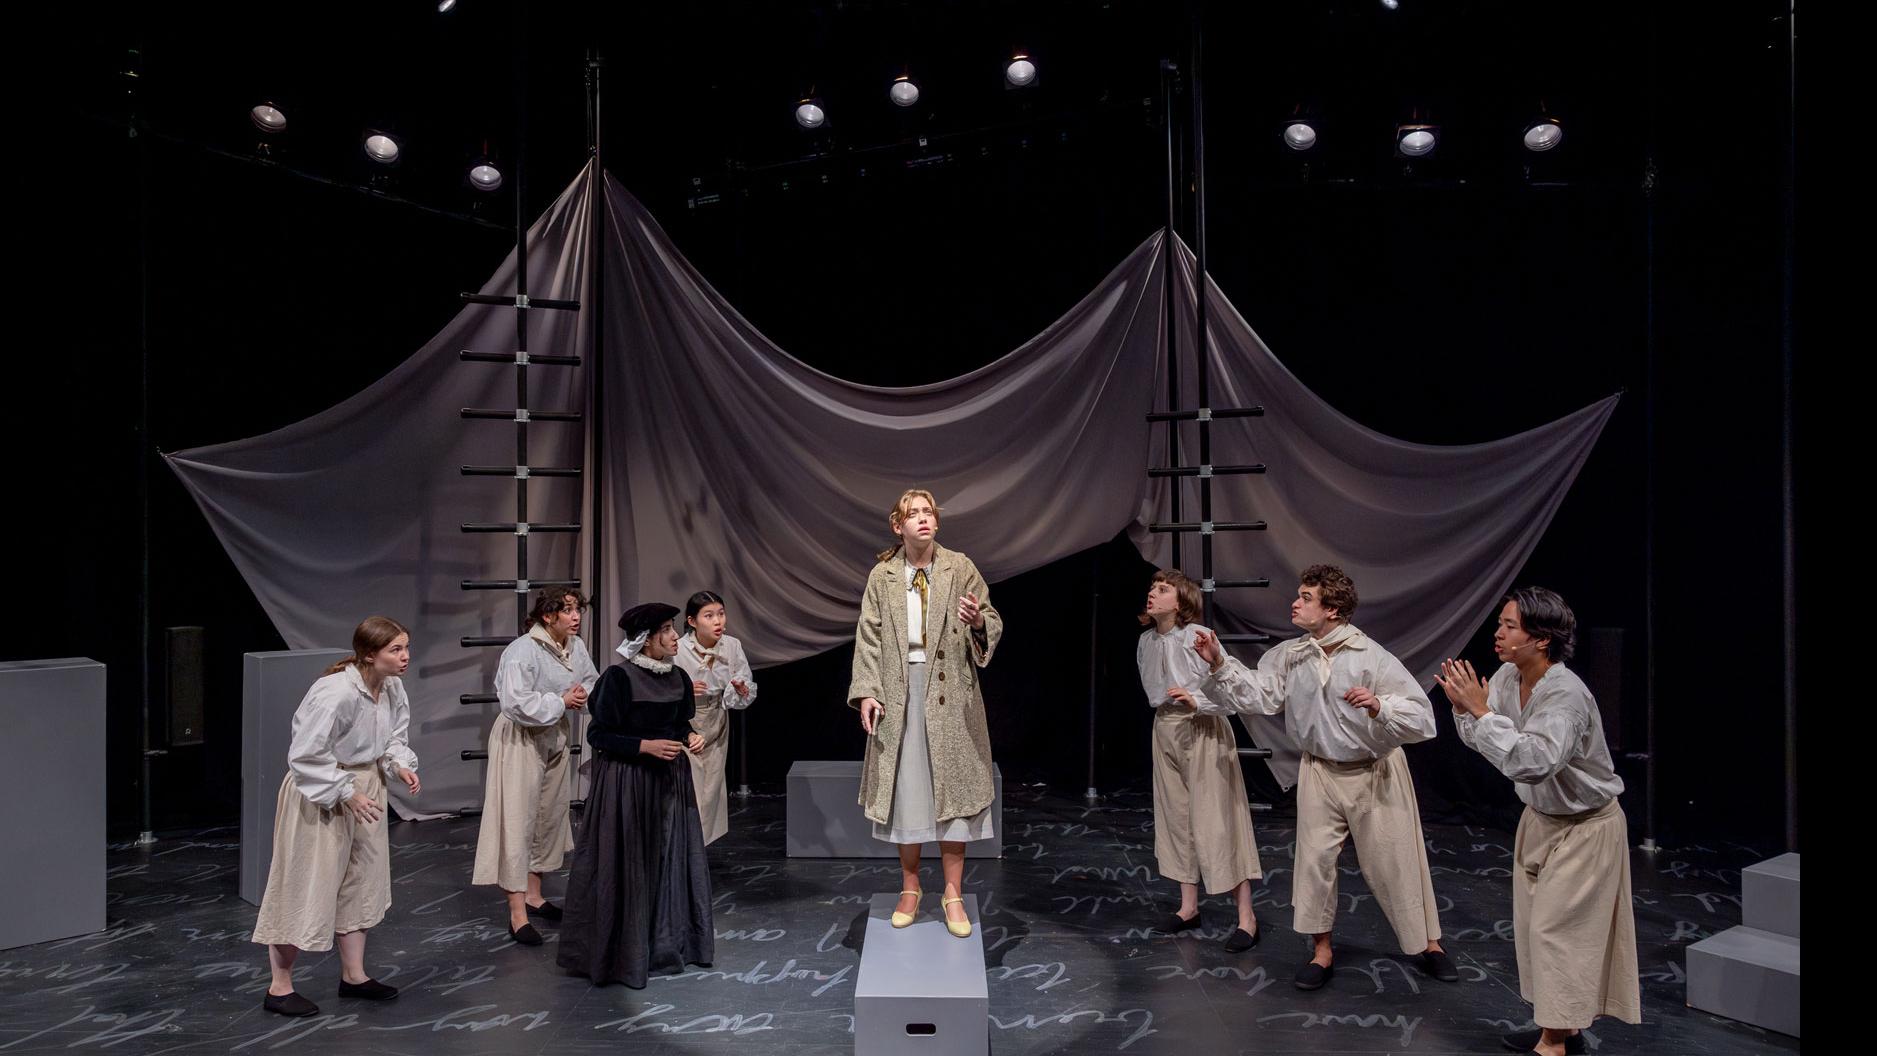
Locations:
{"points": [[331, 870]]}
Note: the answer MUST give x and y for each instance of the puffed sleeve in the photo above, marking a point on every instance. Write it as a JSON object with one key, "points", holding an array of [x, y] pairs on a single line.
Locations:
{"points": [[739, 671], [1240, 689], [1555, 718], [516, 679], [1406, 716], [315, 765], [398, 754]]}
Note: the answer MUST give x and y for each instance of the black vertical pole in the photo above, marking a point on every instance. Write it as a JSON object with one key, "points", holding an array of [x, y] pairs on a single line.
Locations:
{"points": [[596, 314], [141, 145], [1170, 260], [521, 313], [595, 306], [1789, 558], [1094, 662], [1650, 455], [1202, 346]]}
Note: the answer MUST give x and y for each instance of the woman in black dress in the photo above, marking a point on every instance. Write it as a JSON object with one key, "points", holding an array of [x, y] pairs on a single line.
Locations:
{"points": [[638, 895]]}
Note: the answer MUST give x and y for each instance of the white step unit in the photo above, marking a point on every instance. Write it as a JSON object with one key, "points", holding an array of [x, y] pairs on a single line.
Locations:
{"points": [[921, 989], [1769, 895], [1751, 973], [272, 686], [52, 776]]}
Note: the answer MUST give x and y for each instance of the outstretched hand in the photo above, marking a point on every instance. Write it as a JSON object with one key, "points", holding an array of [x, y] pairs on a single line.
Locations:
{"points": [[1464, 688], [1206, 644]]}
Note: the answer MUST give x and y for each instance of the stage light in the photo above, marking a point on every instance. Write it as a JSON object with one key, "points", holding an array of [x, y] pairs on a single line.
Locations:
{"points": [[444, 7], [810, 115], [1392, 5], [903, 92], [484, 176], [1021, 73], [1300, 136], [1417, 140], [1543, 134], [382, 149], [268, 118]]}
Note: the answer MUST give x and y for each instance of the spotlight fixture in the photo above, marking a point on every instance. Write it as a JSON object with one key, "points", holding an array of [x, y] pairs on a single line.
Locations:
{"points": [[1300, 135], [484, 176], [904, 92], [810, 115], [1542, 134], [444, 7], [1392, 5], [268, 118], [382, 148], [1416, 140], [1021, 72]]}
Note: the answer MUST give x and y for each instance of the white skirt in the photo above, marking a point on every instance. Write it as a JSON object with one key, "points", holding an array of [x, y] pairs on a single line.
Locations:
{"points": [[912, 819]]}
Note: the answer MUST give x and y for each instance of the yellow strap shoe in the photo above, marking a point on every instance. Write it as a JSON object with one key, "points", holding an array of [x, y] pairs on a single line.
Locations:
{"points": [[963, 930], [901, 920]]}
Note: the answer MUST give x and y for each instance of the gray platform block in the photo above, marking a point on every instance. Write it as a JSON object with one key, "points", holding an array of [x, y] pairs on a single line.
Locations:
{"points": [[824, 818], [1769, 895], [921, 989], [1749, 975], [272, 686], [52, 777]]}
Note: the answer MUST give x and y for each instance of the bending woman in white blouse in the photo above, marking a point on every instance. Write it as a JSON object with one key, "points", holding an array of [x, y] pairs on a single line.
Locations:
{"points": [[331, 870], [1573, 923]]}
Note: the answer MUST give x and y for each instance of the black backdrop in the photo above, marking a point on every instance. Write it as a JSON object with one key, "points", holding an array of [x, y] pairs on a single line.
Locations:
{"points": [[1460, 303]]}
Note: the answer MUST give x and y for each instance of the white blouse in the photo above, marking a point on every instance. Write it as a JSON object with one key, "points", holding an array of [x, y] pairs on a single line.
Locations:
{"points": [[339, 724], [1168, 661], [915, 616], [1295, 679], [1552, 748], [532, 675], [718, 668]]}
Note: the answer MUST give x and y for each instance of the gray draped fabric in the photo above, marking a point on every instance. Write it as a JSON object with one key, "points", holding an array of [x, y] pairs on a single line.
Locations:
{"points": [[1038, 455]]}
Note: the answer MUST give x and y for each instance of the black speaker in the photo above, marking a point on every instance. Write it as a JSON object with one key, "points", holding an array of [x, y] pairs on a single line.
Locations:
{"points": [[182, 685], [1603, 665]]}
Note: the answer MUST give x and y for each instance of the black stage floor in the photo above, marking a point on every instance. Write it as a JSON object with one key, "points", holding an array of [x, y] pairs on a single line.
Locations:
{"points": [[1070, 968]]}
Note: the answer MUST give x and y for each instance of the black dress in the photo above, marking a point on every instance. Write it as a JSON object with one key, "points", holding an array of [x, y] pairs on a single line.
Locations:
{"points": [[638, 894]]}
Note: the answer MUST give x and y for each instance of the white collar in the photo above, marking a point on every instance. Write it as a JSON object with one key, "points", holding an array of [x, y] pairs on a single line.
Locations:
{"points": [[655, 666]]}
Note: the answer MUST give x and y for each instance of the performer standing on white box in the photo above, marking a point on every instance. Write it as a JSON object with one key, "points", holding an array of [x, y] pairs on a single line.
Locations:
{"points": [[1350, 705], [927, 774], [1202, 819], [543, 675], [1573, 923], [721, 676], [331, 870]]}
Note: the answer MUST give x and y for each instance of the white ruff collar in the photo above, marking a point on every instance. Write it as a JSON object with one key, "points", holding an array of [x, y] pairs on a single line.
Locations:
{"points": [[654, 666]]}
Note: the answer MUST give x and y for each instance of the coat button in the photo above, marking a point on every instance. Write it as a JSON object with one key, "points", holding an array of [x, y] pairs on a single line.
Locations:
{"points": [[941, 698], [941, 676], [941, 655]]}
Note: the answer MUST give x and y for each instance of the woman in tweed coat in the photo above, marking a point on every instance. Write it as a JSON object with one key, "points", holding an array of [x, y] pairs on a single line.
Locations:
{"points": [[926, 627]]}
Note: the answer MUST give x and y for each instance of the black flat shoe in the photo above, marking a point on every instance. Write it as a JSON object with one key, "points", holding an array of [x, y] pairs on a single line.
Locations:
{"points": [[370, 990], [1437, 964], [1527, 1041], [525, 935], [1312, 976], [1239, 940], [1173, 924], [289, 1005], [546, 911]]}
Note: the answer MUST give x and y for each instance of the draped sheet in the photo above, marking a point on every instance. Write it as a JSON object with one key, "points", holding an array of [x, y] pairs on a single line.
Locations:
{"points": [[726, 461]]}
